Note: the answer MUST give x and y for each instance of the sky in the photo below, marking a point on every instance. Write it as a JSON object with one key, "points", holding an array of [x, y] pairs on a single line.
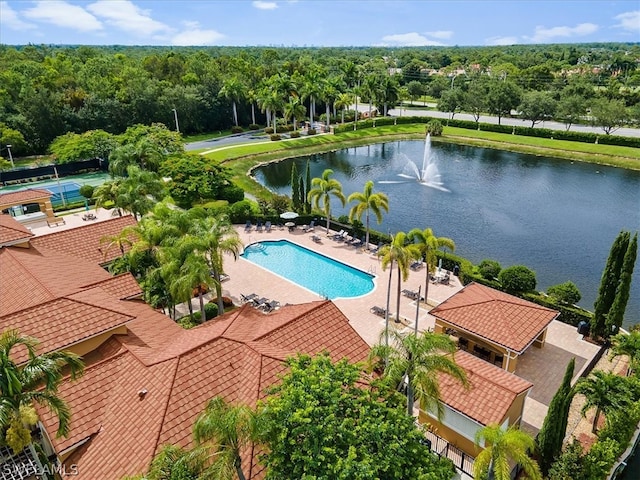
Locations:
{"points": [[291, 23]]}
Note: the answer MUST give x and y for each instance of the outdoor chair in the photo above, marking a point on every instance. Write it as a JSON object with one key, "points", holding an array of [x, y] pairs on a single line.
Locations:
{"points": [[259, 227], [248, 298], [415, 266], [267, 227], [310, 227], [316, 238], [379, 311], [338, 236], [248, 226]]}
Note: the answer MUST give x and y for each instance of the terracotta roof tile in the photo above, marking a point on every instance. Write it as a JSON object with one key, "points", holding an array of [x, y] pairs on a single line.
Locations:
{"points": [[84, 242], [221, 357], [59, 323], [12, 231], [491, 393], [26, 195], [31, 276], [122, 286], [495, 316]]}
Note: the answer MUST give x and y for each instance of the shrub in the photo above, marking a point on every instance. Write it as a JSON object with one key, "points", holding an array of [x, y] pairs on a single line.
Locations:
{"points": [[210, 310], [434, 127], [237, 129], [254, 126], [240, 211], [311, 131], [231, 193], [566, 292], [268, 130], [517, 278], [187, 322], [489, 269], [86, 191], [226, 302], [294, 134], [275, 137]]}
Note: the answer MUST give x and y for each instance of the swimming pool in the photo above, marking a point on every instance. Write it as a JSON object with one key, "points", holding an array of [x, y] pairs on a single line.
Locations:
{"points": [[311, 270]]}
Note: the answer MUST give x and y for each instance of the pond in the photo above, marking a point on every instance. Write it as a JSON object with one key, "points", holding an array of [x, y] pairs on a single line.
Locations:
{"points": [[557, 217]]}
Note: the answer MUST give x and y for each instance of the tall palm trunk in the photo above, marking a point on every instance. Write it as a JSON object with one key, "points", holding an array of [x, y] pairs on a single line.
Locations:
{"points": [[235, 113], [397, 320], [201, 300], [239, 472], [253, 113], [426, 281], [367, 235], [386, 312]]}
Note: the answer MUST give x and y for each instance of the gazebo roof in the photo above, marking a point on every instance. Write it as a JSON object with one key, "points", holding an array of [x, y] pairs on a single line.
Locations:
{"points": [[495, 316]]}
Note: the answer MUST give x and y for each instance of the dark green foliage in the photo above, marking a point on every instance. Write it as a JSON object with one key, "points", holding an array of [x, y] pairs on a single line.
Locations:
{"points": [[254, 126], [302, 192], [616, 313], [294, 134], [566, 292], [434, 127], [311, 131], [517, 278], [240, 211], [172, 463], [551, 435], [268, 130], [86, 191], [230, 193], [568, 313], [194, 179], [295, 187], [275, 137], [489, 269], [568, 466], [210, 310], [307, 175], [609, 284], [318, 423], [235, 129]]}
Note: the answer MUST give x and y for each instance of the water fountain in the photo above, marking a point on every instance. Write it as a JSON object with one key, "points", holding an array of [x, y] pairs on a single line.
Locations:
{"points": [[429, 176]]}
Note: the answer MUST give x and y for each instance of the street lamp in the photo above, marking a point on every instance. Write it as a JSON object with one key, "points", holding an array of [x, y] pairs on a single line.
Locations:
{"points": [[175, 115], [10, 157]]}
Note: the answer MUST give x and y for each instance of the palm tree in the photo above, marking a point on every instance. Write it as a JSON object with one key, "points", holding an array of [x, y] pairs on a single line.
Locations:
{"points": [[604, 391], [294, 109], [428, 243], [225, 431], [140, 191], [271, 103], [629, 345], [215, 237], [400, 254], [233, 90], [417, 360], [504, 446], [323, 189], [344, 101], [367, 201], [107, 193], [121, 240], [34, 381]]}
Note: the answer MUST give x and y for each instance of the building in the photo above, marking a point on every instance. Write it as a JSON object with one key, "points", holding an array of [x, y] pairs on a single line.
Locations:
{"points": [[493, 325], [29, 207]]}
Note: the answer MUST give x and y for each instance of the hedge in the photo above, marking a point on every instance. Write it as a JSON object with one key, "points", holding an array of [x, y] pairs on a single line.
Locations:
{"points": [[584, 137]]}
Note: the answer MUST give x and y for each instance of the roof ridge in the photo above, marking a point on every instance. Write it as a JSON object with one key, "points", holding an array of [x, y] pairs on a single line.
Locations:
{"points": [[297, 317], [503, 386], [94, 284], [166, 407], [109, 309]]}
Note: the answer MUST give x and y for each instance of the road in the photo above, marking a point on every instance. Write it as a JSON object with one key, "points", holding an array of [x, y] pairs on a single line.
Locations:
{"points": [[626, 132]]}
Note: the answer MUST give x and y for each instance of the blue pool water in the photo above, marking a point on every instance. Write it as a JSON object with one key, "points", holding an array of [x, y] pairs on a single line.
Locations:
{"points": [[313, 271]]}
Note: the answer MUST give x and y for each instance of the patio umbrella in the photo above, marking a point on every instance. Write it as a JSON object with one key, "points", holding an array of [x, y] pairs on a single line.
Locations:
{"points": [[289, 215]]}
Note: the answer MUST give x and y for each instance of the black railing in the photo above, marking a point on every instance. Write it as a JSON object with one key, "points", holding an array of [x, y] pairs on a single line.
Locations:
{"points": [[461, 460]]}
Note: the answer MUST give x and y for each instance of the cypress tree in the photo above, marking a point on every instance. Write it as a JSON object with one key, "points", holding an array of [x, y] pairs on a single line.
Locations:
{"points": [[303, 197], [295, 188], [616, 313], [609, 284], [551, 435], [307, 203]]}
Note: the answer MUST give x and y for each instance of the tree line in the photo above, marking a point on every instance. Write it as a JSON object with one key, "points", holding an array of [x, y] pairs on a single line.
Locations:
{"points": [[48, 91]]}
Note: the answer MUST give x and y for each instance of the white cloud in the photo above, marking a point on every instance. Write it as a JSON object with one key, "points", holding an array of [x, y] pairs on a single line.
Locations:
{"points": [[629, 21], [260, 5], [193, 35], [63, 14], [128, 17], [501, 41], [543, 34], [443, 34], [9, 18], [412, 39]]}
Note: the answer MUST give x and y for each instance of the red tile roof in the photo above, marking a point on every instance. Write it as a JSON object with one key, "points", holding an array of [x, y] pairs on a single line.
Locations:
{"points": [[26, 195], [236, 356], [32, 276], [84, 242], [495, 316], [491, 393], [12, 231], [122, 286]]}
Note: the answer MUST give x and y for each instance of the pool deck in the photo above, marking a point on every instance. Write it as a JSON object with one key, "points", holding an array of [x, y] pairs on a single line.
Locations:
{"points": [[543, 367]]}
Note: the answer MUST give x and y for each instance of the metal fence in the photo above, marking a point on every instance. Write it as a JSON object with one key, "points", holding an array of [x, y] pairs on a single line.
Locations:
{"points": [[462, 461]]}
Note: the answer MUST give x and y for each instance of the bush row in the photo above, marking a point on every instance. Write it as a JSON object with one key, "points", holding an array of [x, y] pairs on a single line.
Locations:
{"points": [[584, 137]]}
